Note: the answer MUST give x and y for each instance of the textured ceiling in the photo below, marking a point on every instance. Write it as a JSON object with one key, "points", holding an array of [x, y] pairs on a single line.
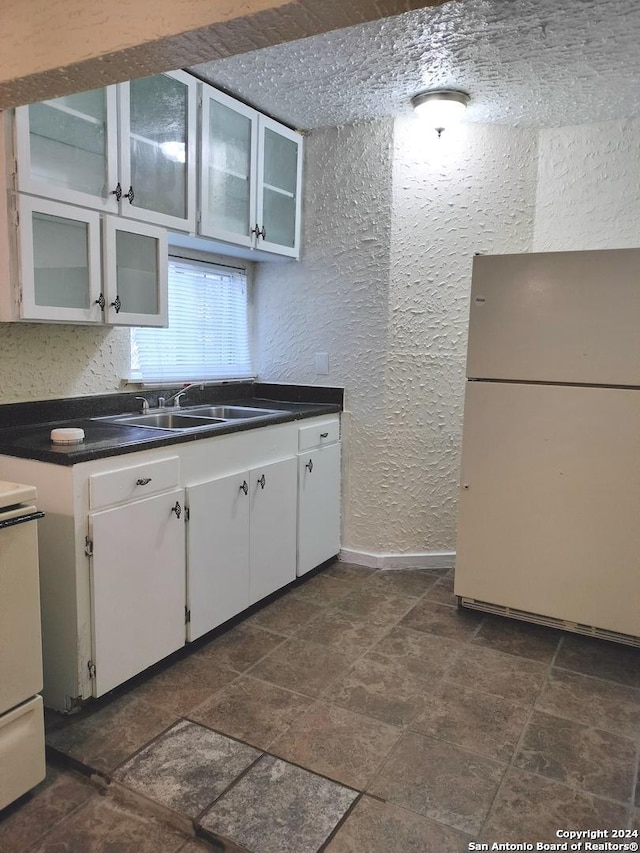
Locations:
{"points": [[524, 62]]}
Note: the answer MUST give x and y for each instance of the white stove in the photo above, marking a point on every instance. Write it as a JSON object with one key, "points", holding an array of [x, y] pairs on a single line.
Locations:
{"points": [[22, 761]]}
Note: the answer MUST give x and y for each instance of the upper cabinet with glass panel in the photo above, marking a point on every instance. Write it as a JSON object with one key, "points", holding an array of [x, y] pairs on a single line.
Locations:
{"points": [[76, 266], [132, 152], [250, 177], [229, 147], [67, 149], [158, 149], [279, 185]]}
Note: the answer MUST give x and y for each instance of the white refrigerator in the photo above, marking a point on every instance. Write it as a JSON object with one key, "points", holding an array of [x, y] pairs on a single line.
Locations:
{"points": [[549, 510]]}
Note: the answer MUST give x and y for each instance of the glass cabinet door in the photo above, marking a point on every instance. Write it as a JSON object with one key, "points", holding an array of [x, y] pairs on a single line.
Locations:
{"points": [[59, 262], [136, 268], [279, 188], [67, 148], [229, 149], [158, 148]]}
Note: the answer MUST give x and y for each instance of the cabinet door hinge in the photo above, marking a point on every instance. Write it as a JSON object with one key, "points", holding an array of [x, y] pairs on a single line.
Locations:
{"points": [[187, 514], [88, 546], [187, 616], [92, 669]]}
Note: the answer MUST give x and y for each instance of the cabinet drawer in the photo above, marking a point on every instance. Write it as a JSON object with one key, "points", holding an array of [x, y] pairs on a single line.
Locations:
{"points": [[317, 435], [137, 481], [21, 750]]}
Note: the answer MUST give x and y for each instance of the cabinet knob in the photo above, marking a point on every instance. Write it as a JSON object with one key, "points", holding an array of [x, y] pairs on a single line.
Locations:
{"points": [[324, 435], [261, 482], [130, 195], [100, 301], [116, 304], [177, 509], [259, 232], [244, 488], [143, 481], [309, 465], [117, 192]]}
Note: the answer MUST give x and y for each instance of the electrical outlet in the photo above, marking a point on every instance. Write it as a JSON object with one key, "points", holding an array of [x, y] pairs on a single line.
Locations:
{"points": [[322, 363]]}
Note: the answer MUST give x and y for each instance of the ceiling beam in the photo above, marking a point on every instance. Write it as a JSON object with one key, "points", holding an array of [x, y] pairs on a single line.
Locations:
{"points": [[57, 47]]}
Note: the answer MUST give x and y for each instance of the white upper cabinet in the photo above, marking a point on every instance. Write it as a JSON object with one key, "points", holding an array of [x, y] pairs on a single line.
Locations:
{"points": [[250, 177], [158, 149], [279, 188], [66, 149], [229, 165], [128, 149], [135, 273], [59, 250], [78, 266], [106, 178]]}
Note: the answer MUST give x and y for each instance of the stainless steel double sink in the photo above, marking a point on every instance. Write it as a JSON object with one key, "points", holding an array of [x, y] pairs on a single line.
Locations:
{"points": [[189, 417]]}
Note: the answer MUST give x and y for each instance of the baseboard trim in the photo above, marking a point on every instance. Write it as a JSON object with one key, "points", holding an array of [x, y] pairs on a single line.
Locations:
{"points": [[423, 560]]}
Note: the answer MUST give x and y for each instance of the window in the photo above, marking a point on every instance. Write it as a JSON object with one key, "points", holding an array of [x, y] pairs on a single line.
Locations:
{"points": [[208, 335]]}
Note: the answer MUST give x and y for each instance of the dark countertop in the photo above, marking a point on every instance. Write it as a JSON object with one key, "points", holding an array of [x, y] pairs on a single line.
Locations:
{"points": [[25, 427]]}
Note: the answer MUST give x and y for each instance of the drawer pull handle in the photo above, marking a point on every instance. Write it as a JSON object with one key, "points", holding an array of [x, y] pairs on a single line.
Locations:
{"points": [[177, 509], [244, 488], [309, 465], [261, 482], [324, 435], [143, 481]]}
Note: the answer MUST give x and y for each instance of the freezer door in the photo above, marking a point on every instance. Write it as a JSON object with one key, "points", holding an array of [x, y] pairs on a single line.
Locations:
{"points": [[556, 317], [550, 502]]}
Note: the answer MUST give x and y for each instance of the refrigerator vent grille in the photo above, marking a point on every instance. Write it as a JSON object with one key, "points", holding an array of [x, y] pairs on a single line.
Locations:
{"points": [[550, 622]]}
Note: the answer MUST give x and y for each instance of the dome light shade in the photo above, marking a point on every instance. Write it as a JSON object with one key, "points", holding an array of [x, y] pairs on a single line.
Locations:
{"points": [[440, 107]]}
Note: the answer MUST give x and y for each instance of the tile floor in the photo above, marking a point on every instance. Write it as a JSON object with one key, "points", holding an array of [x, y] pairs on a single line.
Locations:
{"points": [[361, 712]]}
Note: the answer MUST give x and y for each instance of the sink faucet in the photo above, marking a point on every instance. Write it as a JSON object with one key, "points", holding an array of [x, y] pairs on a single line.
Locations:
{"points": [[162, 402], [145, 405]]}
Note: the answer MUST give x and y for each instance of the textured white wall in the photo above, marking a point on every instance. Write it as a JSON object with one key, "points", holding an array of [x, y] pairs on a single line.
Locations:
{"points": [[335, 299], [472, 190], [46, 361], [389, 232], [392, 218], [588, 194]]}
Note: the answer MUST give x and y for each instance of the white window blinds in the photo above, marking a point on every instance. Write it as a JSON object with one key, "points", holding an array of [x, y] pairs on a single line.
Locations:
{"points": [[208, 334]]}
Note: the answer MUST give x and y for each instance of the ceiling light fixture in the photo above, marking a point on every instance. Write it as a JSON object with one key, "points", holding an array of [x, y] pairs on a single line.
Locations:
{"points": [[440, 107]]}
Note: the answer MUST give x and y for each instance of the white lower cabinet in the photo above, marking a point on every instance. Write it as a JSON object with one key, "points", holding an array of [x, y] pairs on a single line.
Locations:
{"points": [[318, 507], [217, 552], [137, 586], [272, 528], [241, 542], [128, 575], [318, 494]]}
